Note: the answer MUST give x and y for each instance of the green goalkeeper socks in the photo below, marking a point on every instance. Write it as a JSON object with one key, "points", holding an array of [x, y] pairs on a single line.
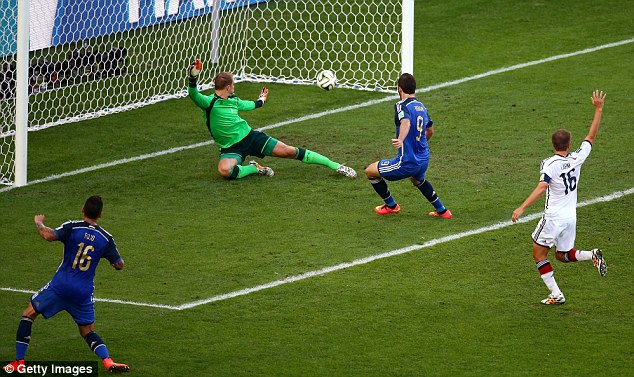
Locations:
{"points": [[246, 170], [240, 171], [310, 157], [304, 155]]}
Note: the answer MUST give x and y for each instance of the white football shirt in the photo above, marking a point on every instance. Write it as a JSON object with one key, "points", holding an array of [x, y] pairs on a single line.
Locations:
{"points": [[562, 175]]}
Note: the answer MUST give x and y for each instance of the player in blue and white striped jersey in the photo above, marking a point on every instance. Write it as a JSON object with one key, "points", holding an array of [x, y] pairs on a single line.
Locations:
{"points": [[413, 128], [559, 179]]}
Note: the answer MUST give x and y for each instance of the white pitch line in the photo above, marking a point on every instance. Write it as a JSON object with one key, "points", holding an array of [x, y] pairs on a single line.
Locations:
{"points": [[343, 266], [372, 258], [112, 163], [330, 112], [524, 65], [110, 300]]}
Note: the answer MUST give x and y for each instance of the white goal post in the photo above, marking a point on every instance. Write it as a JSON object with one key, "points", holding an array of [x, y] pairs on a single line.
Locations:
{"points": [[69, 60]]}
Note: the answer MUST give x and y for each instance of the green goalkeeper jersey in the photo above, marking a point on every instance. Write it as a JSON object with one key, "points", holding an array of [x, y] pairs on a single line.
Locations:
{"points": [[221, 116]]}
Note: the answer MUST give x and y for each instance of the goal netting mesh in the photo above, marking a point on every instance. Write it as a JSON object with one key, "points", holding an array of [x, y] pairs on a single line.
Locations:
{"points": [[90, 59]]}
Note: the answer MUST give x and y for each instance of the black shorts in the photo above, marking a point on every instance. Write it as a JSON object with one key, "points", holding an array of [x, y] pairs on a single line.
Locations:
{"points": [[256, 144]]}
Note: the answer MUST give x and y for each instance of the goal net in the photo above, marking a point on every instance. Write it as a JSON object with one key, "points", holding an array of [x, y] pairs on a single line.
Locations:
{"points": [[89, 59]]}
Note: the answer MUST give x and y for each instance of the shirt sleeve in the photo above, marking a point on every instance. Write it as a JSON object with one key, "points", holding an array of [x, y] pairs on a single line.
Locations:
{"points": [[401, 112], [245, 105], [112, 253], [199, 99], [63, 231], [545, 172], [584, 150]]}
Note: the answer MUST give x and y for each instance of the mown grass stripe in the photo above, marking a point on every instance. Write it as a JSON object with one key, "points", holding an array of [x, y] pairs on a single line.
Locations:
{"points": [[346, 265], [326, 113]]}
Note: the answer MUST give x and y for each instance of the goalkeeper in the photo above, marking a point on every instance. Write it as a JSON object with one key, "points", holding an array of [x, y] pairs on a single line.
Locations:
{"points": [[236, 138]]}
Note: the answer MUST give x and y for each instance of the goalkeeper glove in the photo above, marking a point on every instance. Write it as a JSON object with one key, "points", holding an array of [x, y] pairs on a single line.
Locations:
{"points": [[264, 94], [194, 70]]}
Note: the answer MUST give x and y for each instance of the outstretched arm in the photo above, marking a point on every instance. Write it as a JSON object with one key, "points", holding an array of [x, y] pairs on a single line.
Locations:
{"points": [[536, 194], [247, 105], [45, 232], [199, 99], [597, 101]]}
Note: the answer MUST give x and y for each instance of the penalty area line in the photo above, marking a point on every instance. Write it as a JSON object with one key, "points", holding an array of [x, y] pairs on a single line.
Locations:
{"points": [[346, 265], [329, 112]]}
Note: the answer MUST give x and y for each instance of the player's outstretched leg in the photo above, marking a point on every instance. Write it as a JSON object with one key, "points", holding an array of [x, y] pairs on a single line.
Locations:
{"points": [[309, 157], [594, 255], [428, 192]]}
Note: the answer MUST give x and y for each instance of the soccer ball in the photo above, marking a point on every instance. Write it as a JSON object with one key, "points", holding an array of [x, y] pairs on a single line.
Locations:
{"points": [[326, 80]]}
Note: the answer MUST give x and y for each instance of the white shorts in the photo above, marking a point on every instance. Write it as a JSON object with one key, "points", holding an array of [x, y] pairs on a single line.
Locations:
{"points": [[559, 233]]}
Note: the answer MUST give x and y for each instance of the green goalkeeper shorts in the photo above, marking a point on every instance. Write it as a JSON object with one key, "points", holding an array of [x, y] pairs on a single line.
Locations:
{"points": [[256, 144]]}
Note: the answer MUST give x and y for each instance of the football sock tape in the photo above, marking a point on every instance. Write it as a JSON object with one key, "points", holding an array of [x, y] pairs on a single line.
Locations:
{"points": [[300, 153]]}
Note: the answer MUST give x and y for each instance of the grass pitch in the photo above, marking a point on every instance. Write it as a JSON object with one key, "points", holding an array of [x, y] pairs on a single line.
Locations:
{"points": [[465, 307]]}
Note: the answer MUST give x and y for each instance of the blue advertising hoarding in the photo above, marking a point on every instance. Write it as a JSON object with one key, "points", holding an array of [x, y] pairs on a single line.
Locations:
{"points": [[76, 20], [80, 19], [8, 27]]}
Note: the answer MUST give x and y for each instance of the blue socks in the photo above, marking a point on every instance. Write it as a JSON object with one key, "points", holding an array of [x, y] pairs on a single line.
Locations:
{"points": [[23, 338], [380, 187], [428, 191], [96, 345]]}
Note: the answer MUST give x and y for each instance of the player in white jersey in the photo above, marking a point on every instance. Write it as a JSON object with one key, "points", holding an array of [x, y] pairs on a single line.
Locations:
{"points": [[562, 175], [559, 178]]}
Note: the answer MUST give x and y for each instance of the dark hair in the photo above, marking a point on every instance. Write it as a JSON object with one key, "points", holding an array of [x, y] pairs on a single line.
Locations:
{"points": [[93, 207], [561, 140], [407, 83], [223, 80]]}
